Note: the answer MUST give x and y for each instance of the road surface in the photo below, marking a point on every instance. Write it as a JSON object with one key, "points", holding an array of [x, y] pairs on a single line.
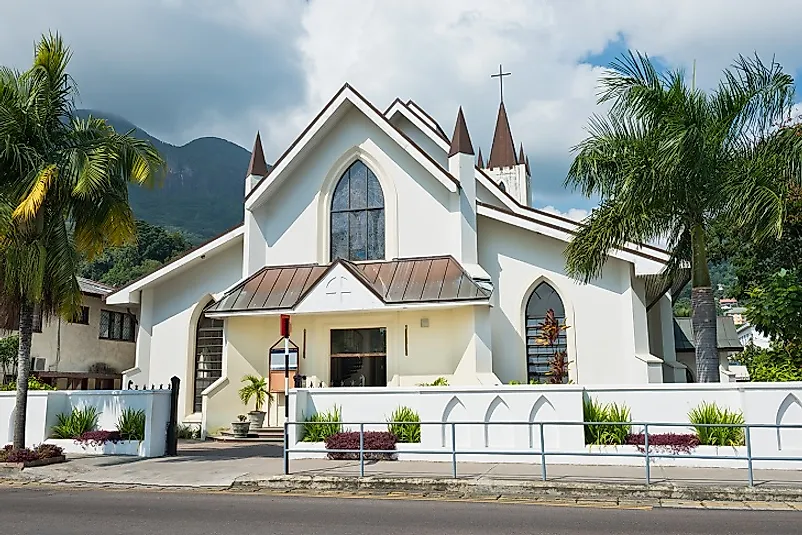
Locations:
{"points": [[36, 510]]}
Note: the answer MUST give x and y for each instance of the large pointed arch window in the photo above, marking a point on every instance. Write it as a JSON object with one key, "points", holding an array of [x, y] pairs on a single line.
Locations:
{"points": [[543, 298], [357, 216], [208, 357]]}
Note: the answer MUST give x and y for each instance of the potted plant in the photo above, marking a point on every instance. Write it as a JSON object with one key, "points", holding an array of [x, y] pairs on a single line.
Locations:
{"points": [[240, 428], [255, 387]]}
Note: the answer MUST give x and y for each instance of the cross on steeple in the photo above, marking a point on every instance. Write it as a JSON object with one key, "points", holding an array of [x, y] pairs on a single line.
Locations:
{"points": [[500, 75]]}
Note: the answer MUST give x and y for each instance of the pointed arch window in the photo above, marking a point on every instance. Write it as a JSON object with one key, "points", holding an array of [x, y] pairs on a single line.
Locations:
{"points": [[543, 298], [208, 357], [357, 216]]}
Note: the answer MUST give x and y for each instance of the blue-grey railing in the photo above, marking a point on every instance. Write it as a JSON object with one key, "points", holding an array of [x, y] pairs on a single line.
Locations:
{"points": [[643, 451]]}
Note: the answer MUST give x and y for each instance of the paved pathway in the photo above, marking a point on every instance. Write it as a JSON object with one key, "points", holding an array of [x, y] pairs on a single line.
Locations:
{"points": [[210, 464]]}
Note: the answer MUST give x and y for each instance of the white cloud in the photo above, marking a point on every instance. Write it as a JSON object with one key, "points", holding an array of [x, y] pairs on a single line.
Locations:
{"points": [[205, 68], [577, 214]]}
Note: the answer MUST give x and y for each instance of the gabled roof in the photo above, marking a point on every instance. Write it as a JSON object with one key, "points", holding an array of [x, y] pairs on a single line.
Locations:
{"points": [[394, 282], [502, 153], [725, 332], [347, 95]]}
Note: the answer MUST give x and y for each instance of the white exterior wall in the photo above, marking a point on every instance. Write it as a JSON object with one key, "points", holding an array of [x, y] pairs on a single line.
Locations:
{"points": [[421, 139], [490, 412], [80, 345], [295, 221], [45, 406], [171, 309], [442, 349], [601, 315]]}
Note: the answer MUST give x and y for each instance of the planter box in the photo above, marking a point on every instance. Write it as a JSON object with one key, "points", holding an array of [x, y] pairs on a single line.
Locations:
{"points": [[16, 467], [123, 447], [679, 459]]}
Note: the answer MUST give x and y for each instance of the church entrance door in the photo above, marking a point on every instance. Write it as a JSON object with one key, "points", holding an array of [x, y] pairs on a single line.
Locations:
{"points": [[359, 357]]}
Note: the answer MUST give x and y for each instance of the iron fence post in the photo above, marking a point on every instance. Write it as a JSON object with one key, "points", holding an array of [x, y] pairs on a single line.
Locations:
{"points": [[286, 448], [542, 453], [749, 455], [361, 450], [454, 449], [646, 445]]}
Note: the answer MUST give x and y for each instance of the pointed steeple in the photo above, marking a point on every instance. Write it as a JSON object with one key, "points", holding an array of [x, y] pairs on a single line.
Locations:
{"points": [[521, 155], [258, 166], [527, 166], [502, 153], [480, 163], [461, 140]]}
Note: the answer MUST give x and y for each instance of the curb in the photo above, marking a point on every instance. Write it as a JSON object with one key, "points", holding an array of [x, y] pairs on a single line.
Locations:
{"points": [[485, 488]]}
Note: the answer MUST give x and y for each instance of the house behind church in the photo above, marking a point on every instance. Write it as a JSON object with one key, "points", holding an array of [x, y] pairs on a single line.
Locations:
{"points": [[401, 257]]}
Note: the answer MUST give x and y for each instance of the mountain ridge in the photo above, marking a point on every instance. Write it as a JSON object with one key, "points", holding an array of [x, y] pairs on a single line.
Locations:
{"points": [[203, 190]]}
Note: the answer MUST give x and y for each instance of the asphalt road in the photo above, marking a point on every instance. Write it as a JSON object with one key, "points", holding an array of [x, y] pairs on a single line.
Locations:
{"points": [[34, 510]]}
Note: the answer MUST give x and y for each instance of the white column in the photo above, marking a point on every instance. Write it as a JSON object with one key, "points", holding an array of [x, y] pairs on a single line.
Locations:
{"points": [[462, 167]]}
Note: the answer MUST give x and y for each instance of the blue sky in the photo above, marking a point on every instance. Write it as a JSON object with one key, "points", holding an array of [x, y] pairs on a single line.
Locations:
{"points": [[188, 68]]}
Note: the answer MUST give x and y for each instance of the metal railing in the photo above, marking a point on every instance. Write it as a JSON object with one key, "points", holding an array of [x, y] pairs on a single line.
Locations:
{"points": [[643, 451]]}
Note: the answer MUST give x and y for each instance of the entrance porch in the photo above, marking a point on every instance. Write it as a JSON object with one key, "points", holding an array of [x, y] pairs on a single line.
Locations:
{"points": [[350, 329]]}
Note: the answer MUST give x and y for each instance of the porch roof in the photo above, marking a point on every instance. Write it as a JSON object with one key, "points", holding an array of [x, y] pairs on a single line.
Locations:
{"points": [[395, 282]]}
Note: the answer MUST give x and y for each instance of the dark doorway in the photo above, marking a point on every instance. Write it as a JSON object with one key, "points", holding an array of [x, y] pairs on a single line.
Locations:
{"points": [[359, 357]]}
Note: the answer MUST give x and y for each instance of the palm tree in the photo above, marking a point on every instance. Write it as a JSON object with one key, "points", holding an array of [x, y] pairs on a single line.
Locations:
{"points": [[668, 160], [63, 196]]}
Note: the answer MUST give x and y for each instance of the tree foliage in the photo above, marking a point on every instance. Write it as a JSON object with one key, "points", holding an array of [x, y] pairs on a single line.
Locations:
{"points": [[154, 246], [63, 195], [669, 161]]}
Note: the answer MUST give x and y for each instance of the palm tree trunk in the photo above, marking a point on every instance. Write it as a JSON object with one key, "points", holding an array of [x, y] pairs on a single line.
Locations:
{"points": [[703, 315], [23, 369]]}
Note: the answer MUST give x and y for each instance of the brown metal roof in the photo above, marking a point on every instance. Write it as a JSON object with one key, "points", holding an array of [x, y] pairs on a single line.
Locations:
{"points": [[480, 162], [461, 140], [502, 153], [410, 280]]}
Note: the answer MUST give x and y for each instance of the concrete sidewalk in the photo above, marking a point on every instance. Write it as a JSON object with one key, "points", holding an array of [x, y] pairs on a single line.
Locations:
{"points": [[213, 465]]}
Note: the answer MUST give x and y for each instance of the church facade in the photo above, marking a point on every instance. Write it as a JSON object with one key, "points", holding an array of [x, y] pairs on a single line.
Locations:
{"points": [[401, 257]]}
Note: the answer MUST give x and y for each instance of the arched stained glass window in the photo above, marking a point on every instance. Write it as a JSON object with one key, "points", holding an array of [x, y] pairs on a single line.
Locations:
{"points": [[543, 298], [357, 216]]}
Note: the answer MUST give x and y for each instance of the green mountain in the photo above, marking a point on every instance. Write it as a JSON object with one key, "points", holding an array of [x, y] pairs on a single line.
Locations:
{"points": [[203, 190]]}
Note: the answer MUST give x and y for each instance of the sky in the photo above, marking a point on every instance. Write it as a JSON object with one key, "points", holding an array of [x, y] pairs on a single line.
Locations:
{"points": [[182, 69]]}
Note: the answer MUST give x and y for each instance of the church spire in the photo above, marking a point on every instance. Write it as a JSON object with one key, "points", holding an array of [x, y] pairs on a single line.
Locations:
{"points": [[461, 140], [521, 155], [480, 163], [502, 153], [258, 166]]}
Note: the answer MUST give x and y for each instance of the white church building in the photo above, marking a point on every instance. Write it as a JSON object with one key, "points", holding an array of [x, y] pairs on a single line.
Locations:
{"points": [[401, 257]]}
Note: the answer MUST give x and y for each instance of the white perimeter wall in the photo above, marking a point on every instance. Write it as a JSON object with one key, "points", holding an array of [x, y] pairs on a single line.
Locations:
{"points": [[45, 406], [489, 408]]}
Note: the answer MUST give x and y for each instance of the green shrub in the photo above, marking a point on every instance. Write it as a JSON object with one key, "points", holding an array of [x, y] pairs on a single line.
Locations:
{"points": [[440, 381], [131, 424], [320, 426], [782, 362], [613, 434], [409, 430], [33, 384], [188, 432], [75, 424], [710, 413]]}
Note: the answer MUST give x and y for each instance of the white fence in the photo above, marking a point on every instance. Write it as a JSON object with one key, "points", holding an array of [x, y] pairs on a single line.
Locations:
{"points": [[488, 409], [44, 406]]}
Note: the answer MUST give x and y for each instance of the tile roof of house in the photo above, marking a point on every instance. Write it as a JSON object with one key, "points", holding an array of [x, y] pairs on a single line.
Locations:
{"points": [[409, 280], [89, 286], [725, 331]]}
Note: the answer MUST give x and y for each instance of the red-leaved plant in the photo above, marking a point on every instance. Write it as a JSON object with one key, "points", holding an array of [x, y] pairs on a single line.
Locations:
{"points": [[44, 451], [550, 330], [98, 438], [373, 440], [674, 442]]}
